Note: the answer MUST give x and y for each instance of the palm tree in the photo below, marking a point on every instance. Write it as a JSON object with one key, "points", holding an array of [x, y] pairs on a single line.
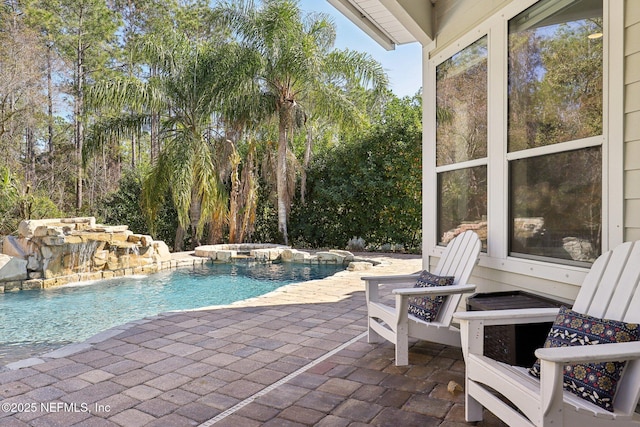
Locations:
{"points": [[297, 72], [192, 81]]}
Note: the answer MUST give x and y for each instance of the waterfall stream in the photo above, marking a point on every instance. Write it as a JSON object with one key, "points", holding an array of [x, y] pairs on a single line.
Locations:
{"points": [[81, 255]]}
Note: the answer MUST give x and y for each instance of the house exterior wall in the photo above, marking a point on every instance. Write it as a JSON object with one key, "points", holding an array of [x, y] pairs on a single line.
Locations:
{"points": [[632, 121], [456, 18], [453, 18]]}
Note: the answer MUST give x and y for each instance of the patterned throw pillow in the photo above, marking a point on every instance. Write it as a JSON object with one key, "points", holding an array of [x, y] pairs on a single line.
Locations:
{"points": [[427, 307], [595, 382]]}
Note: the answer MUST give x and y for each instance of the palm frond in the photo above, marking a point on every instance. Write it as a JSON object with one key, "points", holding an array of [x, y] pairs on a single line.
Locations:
{"points": [[114, 128], [130, 93]]}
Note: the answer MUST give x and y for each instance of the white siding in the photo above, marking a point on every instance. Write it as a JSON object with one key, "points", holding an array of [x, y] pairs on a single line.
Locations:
{"points": [[494, 280], [632, 121]]}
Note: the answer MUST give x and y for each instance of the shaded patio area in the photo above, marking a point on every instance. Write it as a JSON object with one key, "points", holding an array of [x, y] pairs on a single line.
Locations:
{"points": [[295, 357]]}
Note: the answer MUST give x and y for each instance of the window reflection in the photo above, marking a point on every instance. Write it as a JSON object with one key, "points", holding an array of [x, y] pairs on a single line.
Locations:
{"points": [[555, 95], [555, 73], [461, 105], [463, 203], [555, 206]]}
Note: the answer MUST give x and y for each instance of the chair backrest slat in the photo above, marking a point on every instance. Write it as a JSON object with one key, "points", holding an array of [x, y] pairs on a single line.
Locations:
{"points": [[606, 290], [455, 258], [591, 282], [458, 260], [611, 290], [626, 303]]}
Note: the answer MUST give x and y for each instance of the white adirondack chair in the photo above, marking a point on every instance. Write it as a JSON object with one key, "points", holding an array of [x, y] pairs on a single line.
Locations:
{"points": [[611, 290], [396, 325]]}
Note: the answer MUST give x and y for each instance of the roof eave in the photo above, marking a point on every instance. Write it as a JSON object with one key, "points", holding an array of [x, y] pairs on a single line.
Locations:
{"points": [[413, 16], [364, 23]]}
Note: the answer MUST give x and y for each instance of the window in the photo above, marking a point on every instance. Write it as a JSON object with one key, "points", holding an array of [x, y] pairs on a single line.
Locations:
{"points": [[463, 203], [519, 135], [461, 151], [555, 205], [555, 99]]}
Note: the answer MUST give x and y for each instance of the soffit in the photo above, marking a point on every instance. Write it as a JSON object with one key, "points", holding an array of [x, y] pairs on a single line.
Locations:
{"points": [[380, 15], [384, 20]]}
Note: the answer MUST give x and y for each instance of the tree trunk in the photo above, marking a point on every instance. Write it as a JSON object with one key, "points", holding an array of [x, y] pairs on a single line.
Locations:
{"points": [[281, 174], [195, 215], [305, 165], [249, 198], [50, 111], [216, 226], [178, 244], [30, 160], [50, 101], [133, 152], [234, 198], [79, 128], [155, 123]]}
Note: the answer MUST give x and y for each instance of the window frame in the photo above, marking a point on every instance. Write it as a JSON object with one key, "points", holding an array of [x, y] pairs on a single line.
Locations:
{"points": [[495, 28]]}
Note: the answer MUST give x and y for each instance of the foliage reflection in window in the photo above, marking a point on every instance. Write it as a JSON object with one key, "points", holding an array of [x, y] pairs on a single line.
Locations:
{"points": [[461, 105], [462, 203], [555, 96], [555, 205], [555, 73], [461, 136]]}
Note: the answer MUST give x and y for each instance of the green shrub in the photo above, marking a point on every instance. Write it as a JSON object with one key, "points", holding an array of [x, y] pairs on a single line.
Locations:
{"points": [[122, 207], [369, 187]]}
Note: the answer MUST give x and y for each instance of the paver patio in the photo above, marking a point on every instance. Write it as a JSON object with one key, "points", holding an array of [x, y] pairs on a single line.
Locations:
{"points": [[295, 357]]}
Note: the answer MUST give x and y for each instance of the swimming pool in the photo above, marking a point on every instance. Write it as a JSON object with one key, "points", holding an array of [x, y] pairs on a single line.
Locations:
{"points": [[37, 321]]}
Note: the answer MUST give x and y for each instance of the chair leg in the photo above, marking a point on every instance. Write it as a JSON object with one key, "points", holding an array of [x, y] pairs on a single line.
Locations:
{"points": [[402, 345], [372, 336], [472, 409]]}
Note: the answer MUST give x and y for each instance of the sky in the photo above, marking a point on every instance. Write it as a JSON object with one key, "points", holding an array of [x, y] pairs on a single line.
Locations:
{"points": [[403, 65]]}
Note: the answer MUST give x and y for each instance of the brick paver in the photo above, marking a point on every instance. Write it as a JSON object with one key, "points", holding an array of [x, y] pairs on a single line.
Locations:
{"points": [[187, 368]]}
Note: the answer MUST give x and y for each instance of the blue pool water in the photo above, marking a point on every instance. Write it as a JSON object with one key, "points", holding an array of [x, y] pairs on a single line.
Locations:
{"points": [[34, 322]]}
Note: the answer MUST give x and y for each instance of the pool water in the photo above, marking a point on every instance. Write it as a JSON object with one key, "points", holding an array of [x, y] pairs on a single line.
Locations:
{"points": [[34, 322]]}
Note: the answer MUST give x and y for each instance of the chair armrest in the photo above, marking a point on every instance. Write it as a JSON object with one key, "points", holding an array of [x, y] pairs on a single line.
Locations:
{"points": [[472, 324], [403, 295], [435, 290], [395, 279], [591, 353], [371, 284], [553, 360], [508, 317]]}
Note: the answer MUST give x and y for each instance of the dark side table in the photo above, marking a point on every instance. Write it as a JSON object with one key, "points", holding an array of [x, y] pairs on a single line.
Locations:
{"points": [[512, 344]]}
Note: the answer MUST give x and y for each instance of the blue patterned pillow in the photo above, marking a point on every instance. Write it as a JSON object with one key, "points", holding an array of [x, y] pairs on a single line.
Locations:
{"points": [[427, 307], [595, 382]]}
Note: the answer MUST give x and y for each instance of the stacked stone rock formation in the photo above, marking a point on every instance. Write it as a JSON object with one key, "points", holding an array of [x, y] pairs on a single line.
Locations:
{"points": [[51, 252], [264, 252], [54, 252]]}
